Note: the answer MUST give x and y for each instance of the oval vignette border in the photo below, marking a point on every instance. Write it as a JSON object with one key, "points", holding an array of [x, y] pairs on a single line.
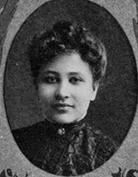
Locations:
{"points": [[10, 7]]}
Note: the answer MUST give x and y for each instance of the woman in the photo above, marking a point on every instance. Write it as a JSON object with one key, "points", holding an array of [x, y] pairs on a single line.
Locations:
{"points": [[67, 64]]}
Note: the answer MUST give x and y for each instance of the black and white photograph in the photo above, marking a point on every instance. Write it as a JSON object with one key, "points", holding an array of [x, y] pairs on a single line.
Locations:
{"points": [[70, 89]]}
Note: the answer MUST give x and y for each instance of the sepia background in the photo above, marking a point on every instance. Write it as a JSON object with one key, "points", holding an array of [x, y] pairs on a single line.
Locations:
{"points": [[114, 22]]}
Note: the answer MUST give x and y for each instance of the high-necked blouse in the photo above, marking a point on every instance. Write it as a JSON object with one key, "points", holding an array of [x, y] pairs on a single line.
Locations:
{"points": [[68, 149]]}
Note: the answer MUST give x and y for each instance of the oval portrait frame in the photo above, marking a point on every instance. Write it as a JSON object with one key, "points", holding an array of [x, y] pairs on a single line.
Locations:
{"points": [[16, 65]]}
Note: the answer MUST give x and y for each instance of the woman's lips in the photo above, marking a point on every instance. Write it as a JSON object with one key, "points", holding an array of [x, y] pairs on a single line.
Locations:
{"points": [[62, 107]]}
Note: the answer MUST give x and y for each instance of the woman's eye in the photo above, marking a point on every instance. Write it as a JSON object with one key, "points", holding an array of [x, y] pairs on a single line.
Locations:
{"points": [[75, 80], [50, 80]]}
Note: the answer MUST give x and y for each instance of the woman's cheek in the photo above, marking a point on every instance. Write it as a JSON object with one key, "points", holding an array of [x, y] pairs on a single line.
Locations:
{"points": [[46, 92], [84, 99]]}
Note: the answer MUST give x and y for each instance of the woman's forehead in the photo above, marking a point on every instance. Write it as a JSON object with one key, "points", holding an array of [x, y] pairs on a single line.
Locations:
{"points": [[68, 63]]}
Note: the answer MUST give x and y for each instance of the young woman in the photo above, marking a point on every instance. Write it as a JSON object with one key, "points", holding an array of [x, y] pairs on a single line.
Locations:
{"points": [[67, 64]]}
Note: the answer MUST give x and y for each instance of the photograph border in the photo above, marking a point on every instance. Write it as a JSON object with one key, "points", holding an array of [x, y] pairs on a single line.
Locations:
{"points": [[10, 11]]}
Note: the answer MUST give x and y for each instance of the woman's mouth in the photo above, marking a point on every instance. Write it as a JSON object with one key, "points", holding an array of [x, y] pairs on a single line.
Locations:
{"points": [[63, 107]]}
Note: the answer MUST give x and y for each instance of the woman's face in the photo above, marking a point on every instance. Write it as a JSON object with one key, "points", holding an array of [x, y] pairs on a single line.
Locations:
{"points": [[65, 88]]}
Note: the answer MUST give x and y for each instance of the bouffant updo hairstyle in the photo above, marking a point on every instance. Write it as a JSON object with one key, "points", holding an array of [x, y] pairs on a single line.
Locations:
{"points": [[63, 38]]}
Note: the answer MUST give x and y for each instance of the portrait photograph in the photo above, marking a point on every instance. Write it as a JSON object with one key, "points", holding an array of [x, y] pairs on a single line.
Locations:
{"points": [[70, 91]]}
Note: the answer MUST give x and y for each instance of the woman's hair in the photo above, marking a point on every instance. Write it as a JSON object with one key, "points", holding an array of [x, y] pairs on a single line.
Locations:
{"points": [[66, 37]]}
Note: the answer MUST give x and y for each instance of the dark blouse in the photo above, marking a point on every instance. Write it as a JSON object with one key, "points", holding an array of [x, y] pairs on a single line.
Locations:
{"points": [[66, 150]]}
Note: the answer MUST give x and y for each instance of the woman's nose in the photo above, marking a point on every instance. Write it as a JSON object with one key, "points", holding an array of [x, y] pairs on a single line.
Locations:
{"points": [[62, 91]]}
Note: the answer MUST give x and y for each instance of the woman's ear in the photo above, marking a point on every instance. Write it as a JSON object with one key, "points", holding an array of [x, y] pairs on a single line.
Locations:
{"points": [[95, 89]]}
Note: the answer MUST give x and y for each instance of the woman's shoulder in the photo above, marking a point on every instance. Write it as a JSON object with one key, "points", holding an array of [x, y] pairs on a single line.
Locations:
{"points": [[30, 133], [30, 139], [103, 145], [100, 137]]}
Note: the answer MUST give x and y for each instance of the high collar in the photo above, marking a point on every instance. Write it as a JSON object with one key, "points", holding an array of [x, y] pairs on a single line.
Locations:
{"points": [[63, 129]]}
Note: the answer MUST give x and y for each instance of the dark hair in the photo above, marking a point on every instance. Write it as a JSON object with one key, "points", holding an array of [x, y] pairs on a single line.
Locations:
{"points": [[66, 37]]}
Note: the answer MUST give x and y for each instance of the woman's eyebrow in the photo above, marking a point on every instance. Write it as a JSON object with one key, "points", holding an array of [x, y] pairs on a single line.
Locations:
{"points": [[76, 73], [50, 72]]}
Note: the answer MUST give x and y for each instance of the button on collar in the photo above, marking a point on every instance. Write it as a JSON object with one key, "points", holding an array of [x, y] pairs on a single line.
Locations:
{"points": [[61, 131]]}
